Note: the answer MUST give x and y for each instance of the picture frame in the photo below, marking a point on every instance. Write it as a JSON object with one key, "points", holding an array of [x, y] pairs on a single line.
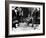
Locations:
{"points": [[23, 5]]}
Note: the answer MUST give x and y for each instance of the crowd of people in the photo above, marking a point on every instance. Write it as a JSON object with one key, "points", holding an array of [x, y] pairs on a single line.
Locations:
{"points": [[21, 15]]}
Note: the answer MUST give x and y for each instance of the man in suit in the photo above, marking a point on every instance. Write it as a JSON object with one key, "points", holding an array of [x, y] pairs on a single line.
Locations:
{"points": [[15, 17]]}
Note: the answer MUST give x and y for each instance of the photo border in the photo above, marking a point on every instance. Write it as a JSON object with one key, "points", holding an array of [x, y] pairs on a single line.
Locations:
{"points": [[7, 18]]}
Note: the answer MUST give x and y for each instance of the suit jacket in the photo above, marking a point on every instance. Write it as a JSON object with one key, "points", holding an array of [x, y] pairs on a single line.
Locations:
{"points": [[15, 15]]}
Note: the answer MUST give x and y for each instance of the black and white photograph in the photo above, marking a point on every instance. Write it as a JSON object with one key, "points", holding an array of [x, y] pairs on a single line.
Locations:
{"points": [[25, 19]]}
